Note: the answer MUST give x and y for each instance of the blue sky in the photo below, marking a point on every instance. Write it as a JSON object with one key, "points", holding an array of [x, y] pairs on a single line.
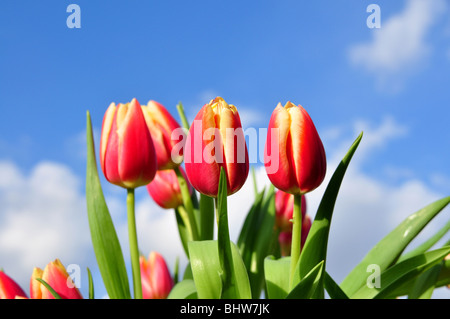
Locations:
{"points": [[392, 82]]}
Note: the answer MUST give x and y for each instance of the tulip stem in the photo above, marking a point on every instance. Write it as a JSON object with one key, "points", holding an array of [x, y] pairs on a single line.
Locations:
{"points": [[134, 250], [296, 236], [187, 201], [183, 118]]}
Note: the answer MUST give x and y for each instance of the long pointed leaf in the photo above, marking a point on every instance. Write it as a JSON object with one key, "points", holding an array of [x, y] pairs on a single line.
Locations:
{"points": [[333, 289], [104, 238], [315, 248], [394, 277], [388, 250], [309, 287], [425, 283], [427, 244]]}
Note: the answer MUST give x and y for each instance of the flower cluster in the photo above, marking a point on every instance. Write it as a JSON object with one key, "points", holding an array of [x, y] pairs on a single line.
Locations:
{"points": [[191, 170]]}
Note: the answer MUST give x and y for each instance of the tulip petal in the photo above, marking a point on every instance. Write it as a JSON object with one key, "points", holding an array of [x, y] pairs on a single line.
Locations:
{"points": [[203, 175], [9, 289], [137, 158], [278, 151]]}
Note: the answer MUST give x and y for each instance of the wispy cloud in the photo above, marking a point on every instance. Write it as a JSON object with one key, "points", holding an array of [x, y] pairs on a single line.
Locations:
{"points": [[400, 46]]}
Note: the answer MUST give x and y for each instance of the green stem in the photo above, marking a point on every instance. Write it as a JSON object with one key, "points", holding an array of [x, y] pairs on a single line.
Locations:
{"points": [[187, 201], [185, 217], [183, 118], [296, 236], [134, 250]]}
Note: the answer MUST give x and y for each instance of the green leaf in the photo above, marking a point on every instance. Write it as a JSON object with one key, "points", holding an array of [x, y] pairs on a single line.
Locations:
{"points": [[387, 251], [444, 275], [276, 273], [184, 289], [91, 284], [425, 283], [333, 289], [408, 286], [315, 248], [427, 244], [246, 235], [104, 238], [52, 291], [182, 220], [206, 217], [223, 238], [257, 237], [310, 286], [396, 276], [207, 271]]}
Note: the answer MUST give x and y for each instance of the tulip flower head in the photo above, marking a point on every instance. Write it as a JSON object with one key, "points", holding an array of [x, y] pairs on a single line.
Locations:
{"points": [[165, 189], [56, 276], [156, 279], [9, 289], [296, 150], [127, 154], [216, 140], [169, 152]]}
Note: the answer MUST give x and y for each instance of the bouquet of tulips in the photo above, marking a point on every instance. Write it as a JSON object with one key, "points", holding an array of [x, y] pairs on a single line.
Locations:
{"points": [[280, 252]]}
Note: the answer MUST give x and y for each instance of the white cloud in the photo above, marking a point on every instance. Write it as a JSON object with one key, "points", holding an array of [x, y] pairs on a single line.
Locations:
{"points": [[42, 217], [400, 46]]}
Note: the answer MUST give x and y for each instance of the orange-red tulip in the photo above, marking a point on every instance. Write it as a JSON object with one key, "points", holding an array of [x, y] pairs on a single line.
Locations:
{"points": [[216, 140], [295, 149], [284, 210], [127, 154], [156, 279], [165, 189], [161, 125], [56, 276], [9, 289]]}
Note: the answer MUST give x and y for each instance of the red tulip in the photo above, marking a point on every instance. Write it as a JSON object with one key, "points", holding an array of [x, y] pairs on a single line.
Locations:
{"points": [[161, 125], [9, 289], [294, 147], [127, 154], [216, 140], [56, 276], [165, 189], [284, 210], [156, 279]]}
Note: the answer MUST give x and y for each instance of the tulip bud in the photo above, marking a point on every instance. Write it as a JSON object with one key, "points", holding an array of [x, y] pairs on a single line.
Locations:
{"points": [[156, 279], [284, 210], [56, 276], [161, 125], [165, 189], [127, 154], [296, 150], [285, 237], [9, 289], [216, 140]]}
